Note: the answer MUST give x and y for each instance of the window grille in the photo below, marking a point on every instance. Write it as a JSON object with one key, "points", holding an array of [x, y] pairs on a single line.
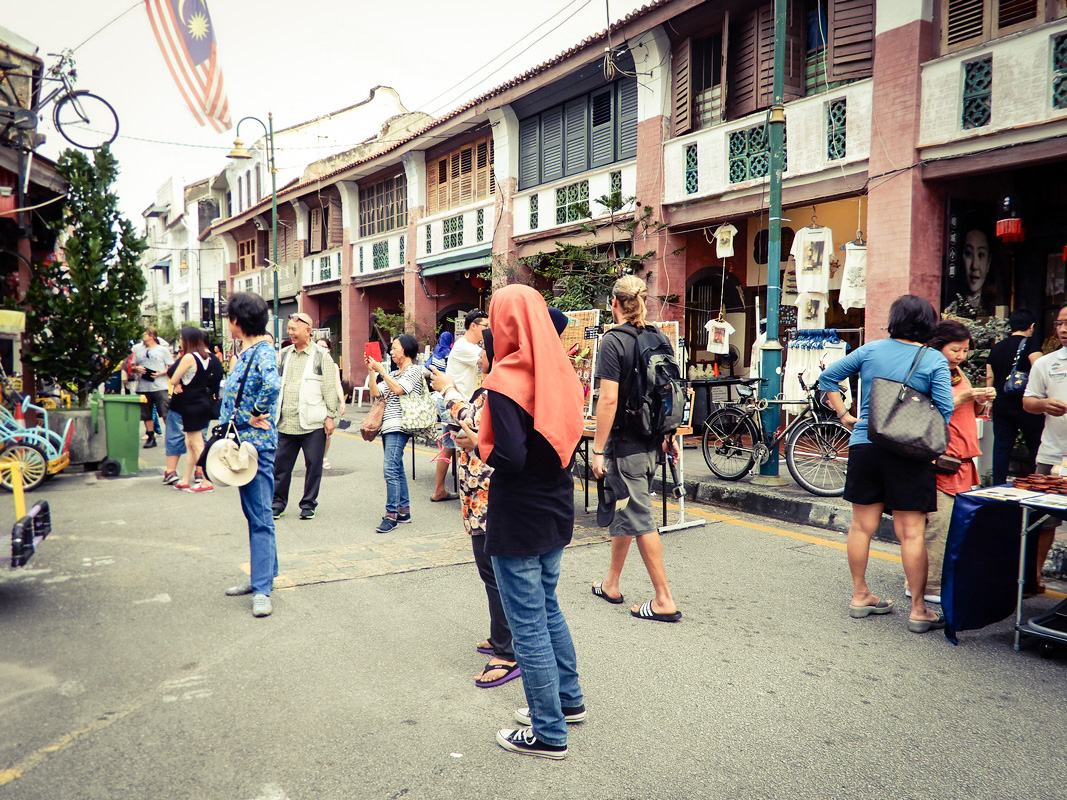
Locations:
{"points": [[481, 224], [692, 179], [429, 240], [403, 257], [1059, 71], [452, 228], [383, 206], [616, 183], [380, 255], [835, 129], [572, 202], [977, 93], [750, 153], [533, 212]]}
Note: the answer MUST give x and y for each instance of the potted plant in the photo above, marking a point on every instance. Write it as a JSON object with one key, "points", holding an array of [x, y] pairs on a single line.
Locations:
{"points": [[83, 309]]}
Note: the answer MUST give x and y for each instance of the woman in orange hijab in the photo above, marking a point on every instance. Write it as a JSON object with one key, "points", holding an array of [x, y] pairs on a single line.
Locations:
{"points": [[533, 424]]}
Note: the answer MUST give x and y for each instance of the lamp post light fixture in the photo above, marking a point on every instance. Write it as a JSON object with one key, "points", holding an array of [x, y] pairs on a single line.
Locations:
{"points": [[239, 152]]}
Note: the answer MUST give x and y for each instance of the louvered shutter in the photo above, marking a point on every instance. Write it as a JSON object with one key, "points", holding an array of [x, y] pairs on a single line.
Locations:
{"points": [[793, 64], [492, 168], [602, 132], [262, 254], [627, 118], [724, 83], [1017, 13], [576, 136], [431, 188], [965, 22], [851, 44], [529, 152], [336, 223], [742, 77], [683, 93], [482, 171], [315, 237], [552, 144], [466, 175]]}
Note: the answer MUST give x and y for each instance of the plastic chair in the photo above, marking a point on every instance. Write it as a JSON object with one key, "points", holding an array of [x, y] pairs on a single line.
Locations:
{"points": [[361, 389]]}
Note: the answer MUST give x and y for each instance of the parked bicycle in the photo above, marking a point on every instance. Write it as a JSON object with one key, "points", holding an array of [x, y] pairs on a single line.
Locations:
{"points": [[816, 446], [82, 118]]}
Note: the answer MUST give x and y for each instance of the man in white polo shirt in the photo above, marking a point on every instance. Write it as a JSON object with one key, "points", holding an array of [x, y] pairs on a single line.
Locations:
{"points": [[1046, 393]]}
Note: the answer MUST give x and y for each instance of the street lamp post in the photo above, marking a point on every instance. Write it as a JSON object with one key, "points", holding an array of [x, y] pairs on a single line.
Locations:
{"points": [[239, 152]]}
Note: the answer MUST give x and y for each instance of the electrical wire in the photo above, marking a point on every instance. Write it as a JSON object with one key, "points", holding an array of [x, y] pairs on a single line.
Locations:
{"points": [[108, 25]]}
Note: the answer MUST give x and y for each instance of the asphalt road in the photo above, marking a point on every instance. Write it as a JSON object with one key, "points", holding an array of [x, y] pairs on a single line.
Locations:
{"points": [[125, 672]]}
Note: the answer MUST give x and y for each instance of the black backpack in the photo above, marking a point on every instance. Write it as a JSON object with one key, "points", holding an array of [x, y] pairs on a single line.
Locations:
{"points": [[657, 395]]}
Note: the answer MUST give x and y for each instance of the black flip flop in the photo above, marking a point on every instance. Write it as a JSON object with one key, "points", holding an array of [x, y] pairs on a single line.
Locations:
{"points": [[598, 590], [646, 612]]}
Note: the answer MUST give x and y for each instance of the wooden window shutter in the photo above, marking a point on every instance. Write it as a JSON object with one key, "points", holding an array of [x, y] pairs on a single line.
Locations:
{"points": [[492, 168], [851, 44], [576, 136], [431, 188], [793, 83], [262, 253], [483, 171], [741, 76], [529, 152], [1018, 14], [627, 118], [259, 184], [315, 235], [552, 144], [602, 131], [336, 223], [724, 83], [682, 91], [965, 22], [466, 175]]}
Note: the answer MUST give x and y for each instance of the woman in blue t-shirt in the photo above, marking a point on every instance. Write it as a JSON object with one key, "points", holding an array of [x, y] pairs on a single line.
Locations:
{"points": [[879, 480]]}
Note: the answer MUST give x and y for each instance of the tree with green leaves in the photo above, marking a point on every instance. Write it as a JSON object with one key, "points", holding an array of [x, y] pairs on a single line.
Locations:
{"points": [[84, 309], [580, 276]]}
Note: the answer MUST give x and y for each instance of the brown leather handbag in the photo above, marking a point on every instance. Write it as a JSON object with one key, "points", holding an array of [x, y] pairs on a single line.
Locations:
{"points": [[372, 422]]}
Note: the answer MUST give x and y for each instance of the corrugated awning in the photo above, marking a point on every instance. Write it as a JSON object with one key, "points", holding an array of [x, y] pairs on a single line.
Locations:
{"points": [[163, 263], [457, 262]]}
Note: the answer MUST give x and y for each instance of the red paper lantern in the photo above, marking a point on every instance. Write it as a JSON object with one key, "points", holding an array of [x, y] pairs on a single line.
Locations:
{"points": [[1011, 230]]}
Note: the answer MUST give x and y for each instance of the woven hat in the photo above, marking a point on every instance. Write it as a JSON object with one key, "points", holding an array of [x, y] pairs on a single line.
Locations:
{"points": [[230, 465]]}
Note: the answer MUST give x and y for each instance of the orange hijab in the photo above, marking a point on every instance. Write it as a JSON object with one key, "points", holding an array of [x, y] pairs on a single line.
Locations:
{"points": [[531, 368]]}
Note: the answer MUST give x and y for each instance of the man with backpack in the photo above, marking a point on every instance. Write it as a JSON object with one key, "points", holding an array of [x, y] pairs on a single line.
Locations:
{"points": [[639, 408]]}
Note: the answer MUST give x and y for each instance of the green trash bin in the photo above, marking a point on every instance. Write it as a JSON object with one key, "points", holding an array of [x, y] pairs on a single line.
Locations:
{"points": [[122, 416]]}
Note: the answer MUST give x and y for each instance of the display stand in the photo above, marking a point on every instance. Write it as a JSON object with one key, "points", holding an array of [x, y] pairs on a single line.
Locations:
{"points": [[1052, 625]]}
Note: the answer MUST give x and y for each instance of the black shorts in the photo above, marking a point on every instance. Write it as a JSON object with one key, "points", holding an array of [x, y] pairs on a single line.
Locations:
{"points": [[160, 399], [876, 475]]}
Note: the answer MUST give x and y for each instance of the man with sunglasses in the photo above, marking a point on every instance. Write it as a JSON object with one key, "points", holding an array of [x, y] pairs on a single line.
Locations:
{"points": [[309, 405]]}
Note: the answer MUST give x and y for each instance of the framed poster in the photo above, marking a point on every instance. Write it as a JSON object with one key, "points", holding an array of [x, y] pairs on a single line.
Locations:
{"points": [[969, 276], [580, 339]]}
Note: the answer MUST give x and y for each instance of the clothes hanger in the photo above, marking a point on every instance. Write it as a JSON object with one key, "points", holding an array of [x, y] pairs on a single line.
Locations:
{"points": [[814, 224], [859, 241]]}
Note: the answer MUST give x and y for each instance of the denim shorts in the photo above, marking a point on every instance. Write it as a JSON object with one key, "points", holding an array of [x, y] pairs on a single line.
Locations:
{"points": [[444, 418], [174, 435]]}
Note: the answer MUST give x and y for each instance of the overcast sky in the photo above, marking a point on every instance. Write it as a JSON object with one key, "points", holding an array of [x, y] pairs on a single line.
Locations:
{"points": [[297, 59]]}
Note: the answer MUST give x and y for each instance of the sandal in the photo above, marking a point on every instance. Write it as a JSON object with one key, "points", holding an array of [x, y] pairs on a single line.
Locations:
{"points": [[511, 671], [484, 647], [598, 590]]}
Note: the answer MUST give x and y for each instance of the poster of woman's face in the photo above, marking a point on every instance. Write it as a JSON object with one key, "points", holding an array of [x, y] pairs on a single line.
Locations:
{"points": [[968, 285]]}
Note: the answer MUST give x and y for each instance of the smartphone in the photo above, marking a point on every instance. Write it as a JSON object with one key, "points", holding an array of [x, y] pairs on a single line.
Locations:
{"points": [[374, 350]]}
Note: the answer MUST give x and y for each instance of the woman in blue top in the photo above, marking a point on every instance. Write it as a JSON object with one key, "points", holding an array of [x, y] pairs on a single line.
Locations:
{"points": [[255, 423], [879, 480]]}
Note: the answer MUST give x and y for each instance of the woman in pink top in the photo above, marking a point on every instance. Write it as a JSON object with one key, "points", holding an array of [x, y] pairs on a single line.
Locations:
{"points": [[953, 340]]}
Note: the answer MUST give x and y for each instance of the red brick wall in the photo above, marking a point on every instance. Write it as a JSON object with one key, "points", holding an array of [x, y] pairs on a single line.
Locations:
{"points": [[905, 216]]}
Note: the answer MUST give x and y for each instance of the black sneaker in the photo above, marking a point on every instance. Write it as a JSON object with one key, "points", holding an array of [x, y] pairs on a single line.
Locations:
{"points": [[307, 513], [151, 442], [570, 715], [277, 512], [403, 517], [523, 741], [387, 524]]}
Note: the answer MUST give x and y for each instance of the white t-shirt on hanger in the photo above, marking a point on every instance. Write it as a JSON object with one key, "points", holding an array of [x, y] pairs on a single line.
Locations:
{"points": [[719, 336], [724, 240], [854, 281], [812, 249]]}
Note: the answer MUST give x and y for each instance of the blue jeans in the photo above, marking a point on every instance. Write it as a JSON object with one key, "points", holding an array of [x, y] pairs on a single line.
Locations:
{"points": [[256, 497], [541, 638], [174, 440], [396, 482]]}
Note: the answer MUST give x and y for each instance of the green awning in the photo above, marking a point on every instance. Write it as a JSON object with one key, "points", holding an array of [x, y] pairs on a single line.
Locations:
{"points": [[457, 262], [162, 264]]}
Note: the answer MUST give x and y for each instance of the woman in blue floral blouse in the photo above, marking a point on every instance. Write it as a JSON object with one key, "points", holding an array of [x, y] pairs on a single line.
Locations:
{"points": [[255, 423]]}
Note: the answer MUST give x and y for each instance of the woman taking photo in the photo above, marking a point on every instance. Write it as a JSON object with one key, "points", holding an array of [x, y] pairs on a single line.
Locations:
{"points": [[256, 370], [879, 480], [194, 379], [406, 378]]}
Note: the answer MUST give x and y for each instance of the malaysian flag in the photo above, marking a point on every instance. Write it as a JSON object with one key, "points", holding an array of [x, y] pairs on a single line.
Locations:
{"points": [[187, 40]]}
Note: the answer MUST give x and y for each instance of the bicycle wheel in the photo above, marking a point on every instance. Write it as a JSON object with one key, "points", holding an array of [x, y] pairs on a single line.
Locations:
{"points": [[86, 120], [817, 457], [34, 465], [729, 443]]}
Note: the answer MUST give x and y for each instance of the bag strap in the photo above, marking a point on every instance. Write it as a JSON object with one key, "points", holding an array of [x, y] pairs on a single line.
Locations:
{"points": [[1019, 352], [241, 387], [914, 365]]}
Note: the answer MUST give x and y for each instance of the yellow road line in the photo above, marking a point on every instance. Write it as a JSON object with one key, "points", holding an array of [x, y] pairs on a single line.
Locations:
{"points": [[63, 742]]}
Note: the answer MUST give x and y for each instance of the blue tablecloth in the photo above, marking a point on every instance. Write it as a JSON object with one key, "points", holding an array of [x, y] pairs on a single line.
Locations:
{"points": [[979, 582]]}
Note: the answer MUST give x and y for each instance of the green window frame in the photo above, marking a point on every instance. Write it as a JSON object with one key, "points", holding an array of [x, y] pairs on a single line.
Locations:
{"points": [[452, 232], [380, 254], [1059, 71], [383, 206], [836, 118], [572, 202], [692, 176], [750, 153], [977, 93], [533, 212]]}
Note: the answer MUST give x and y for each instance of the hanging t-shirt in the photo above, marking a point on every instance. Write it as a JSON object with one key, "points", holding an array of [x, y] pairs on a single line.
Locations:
{"points": [[724, 240], [719, 336], [854, 282], [812, 249], [811, 310]]}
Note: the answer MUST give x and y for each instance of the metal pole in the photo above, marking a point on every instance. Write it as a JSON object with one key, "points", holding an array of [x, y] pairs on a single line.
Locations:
{"points": [[273, 221], [772, 350]]}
